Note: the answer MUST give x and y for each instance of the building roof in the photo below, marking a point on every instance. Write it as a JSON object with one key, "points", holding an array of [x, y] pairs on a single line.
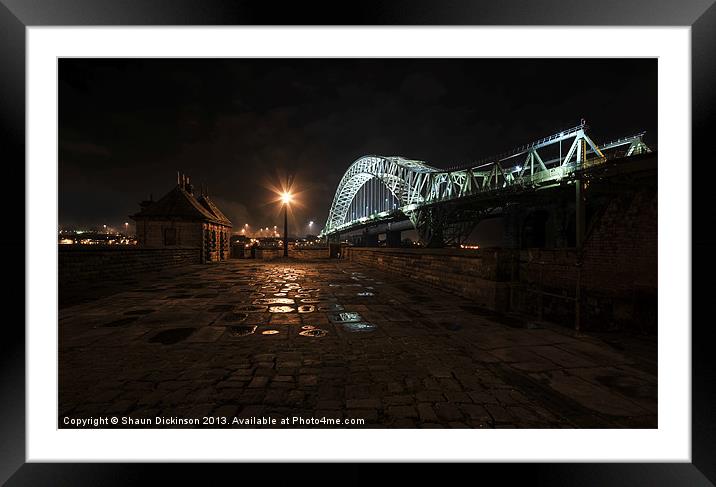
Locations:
{"points": [[180, 204], [213, 209]]}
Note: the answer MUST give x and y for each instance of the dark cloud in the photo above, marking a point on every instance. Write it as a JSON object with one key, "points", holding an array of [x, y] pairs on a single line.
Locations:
{"points": [[127, 126]]}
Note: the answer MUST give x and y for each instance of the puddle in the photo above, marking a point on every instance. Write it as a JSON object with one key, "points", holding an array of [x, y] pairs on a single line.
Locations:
{"points": [[303, 295], [233, 316], [348, 316], [270, 332], [281, 309], [279, 295], [365, 294], [140, 312], [171, 336], [274, 301], [306, 308], [308, 327], [314, 332], [249, 308], [358, 326], [242, 330], [311, 300], [121, 322], [221, 307]]}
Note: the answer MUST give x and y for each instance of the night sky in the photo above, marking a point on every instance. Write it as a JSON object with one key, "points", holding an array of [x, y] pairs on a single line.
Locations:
{"points": [[127, 126]]}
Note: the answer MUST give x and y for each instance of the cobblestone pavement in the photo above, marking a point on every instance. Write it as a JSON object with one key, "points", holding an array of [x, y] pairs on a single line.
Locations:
{"points": [[330, 339]]}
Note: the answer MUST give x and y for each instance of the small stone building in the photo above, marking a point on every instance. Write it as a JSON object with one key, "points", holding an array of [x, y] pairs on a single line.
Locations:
{"points": [[183, 219]]}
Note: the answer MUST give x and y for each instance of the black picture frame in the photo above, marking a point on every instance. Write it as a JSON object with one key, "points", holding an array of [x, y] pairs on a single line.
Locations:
{"points": [[700, 15]]}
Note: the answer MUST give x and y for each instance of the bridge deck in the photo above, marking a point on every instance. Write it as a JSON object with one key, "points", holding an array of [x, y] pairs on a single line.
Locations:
{"points": [[166, 348]]}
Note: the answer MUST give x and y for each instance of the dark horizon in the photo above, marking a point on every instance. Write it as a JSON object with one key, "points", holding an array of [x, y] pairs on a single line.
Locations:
{"points": [[126, 126]]}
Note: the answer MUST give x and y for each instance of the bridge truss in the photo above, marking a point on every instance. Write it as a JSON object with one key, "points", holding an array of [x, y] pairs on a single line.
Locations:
{"points": [[378, 188]]}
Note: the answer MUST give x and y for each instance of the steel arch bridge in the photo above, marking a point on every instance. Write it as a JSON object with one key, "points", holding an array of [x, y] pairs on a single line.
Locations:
{"points": [[381, 188]]}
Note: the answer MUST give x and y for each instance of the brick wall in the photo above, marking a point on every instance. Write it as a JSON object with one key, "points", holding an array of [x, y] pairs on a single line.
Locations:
{"points": [[87, 264], [482, 275], [618, 278]]}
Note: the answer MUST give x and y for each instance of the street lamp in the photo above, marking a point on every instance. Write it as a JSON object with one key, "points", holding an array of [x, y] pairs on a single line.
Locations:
{"points": [[286, 198]]}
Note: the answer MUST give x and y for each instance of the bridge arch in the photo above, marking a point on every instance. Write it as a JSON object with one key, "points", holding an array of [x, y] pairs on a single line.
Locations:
{"points": [[397, 174]]}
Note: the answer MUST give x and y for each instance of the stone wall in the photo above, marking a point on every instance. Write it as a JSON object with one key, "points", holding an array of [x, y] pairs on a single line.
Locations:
{"points": [[482, 275], [617, 276], [213, 238], [216, 242], [86, 264], [151, 233], [301, 254]]}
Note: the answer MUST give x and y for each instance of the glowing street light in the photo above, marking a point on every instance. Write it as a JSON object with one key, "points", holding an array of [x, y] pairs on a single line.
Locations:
{"points": [[286, 198]]}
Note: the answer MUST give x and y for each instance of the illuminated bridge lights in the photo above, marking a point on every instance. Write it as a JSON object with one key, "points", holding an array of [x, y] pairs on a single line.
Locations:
{"points": [[380, 187]]}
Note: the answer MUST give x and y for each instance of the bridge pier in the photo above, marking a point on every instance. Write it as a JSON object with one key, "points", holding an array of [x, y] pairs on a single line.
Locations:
{"points": [[392, 238], [369, 240], [512, 227]]}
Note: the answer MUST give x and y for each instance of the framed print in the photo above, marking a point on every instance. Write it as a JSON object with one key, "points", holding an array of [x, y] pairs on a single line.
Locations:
{"points": [[415, 234]]}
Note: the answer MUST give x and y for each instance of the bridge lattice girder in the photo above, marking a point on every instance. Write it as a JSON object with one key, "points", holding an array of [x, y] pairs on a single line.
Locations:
{"points": [[401, 176], [417, 185]]}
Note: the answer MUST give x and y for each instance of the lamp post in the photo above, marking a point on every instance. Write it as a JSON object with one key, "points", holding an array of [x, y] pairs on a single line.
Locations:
{"points": [[286, 199]]}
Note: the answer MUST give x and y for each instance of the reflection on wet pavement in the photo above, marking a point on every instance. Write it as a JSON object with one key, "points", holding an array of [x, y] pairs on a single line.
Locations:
{"points": [[333, 339], [357, 326], [242, 330]]}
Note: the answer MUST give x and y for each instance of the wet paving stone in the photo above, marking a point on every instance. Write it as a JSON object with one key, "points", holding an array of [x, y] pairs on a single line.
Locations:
{"points": [[281, 309], [345, 317], [275, 301], [335, 338], [314, 332], [139, 312], [234, 316], [242, 330], [172, 336], [120, 322], [221, 308], [249, 308], [358, 326]]}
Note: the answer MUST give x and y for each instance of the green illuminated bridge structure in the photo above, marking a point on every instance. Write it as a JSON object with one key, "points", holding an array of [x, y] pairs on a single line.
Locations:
{"points": [[392, 193]]}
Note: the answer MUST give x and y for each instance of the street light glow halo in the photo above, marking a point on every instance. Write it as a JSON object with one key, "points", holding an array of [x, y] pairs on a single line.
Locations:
{"points": [[286, 197]]}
